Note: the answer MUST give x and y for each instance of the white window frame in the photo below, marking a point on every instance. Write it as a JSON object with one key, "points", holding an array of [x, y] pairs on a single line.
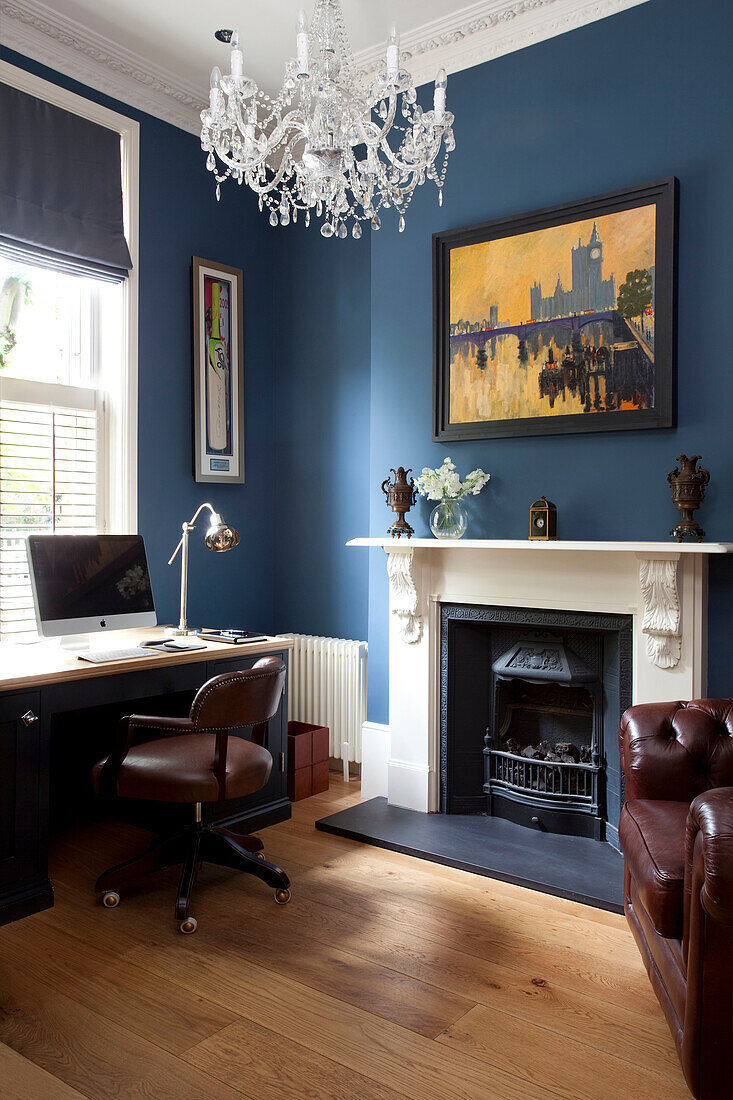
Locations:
{"points": [[117, 472]]}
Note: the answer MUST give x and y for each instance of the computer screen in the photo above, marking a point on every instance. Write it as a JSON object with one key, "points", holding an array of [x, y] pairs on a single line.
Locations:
{"points": [[84, 583]]}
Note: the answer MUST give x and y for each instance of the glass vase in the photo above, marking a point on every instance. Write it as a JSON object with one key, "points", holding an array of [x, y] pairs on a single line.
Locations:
{"points": [[448, 520]]}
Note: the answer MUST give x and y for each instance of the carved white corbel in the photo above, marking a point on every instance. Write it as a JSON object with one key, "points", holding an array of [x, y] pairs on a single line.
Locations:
{"points": [[403, 601], [662, 614]]}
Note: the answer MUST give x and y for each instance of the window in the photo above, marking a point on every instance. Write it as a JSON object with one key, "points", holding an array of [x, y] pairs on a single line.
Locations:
{"points": [[52, 419], [68, 386]]}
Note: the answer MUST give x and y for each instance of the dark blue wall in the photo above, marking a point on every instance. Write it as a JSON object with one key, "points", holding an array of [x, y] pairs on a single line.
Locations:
{"points": [[630, 99], [322, 418], [339, 334], [179, 218]]}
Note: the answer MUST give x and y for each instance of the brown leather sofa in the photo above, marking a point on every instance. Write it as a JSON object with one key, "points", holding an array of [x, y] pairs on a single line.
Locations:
{"points": [[676, 833]]}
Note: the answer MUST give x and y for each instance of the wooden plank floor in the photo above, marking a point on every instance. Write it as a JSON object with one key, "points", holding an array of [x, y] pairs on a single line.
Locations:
{"points": [[385, 977]]}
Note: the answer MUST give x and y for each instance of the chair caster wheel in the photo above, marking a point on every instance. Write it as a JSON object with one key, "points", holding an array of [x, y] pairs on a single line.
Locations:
{"points": [[282, 897], [188, 926], [110, 899], [261, 855]]}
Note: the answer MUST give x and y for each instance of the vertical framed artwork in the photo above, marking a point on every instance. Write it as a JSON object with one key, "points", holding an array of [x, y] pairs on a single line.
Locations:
{"points": [[558, 321], [218, 373]]}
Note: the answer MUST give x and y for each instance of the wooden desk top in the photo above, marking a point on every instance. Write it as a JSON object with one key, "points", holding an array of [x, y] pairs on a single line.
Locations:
{"points": [[45, 662]]}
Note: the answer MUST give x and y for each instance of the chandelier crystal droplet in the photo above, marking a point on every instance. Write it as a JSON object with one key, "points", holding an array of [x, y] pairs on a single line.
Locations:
{"points": [[328, 144]]}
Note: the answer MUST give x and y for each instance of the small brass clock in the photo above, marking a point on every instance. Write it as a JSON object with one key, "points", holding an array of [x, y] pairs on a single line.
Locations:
{"points": [[543, 520]]}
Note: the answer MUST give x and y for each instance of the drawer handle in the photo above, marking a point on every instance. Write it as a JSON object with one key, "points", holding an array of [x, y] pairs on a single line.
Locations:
{"points": [[29, 718]]}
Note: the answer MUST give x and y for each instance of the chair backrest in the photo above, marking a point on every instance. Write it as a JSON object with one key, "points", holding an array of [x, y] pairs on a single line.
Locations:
{"points": [[675, 751], [249, 697]]}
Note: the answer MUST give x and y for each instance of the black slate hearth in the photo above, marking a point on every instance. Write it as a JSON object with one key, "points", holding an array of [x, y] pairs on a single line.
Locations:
{"points": [[571, 867]]}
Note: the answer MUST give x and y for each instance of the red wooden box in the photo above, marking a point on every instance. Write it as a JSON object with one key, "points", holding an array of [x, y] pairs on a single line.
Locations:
{"points": [[307, 760]]}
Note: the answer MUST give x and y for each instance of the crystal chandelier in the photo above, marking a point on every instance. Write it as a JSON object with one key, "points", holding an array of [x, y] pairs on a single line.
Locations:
{"points": [[328, 146]]}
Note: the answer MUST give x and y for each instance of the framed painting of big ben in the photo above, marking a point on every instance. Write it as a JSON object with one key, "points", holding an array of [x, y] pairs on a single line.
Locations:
{"points": [[558, 321]]}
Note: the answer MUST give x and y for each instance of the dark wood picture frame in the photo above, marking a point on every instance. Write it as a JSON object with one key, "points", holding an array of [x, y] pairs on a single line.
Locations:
{"points": [[219, 465], [664, 195]]}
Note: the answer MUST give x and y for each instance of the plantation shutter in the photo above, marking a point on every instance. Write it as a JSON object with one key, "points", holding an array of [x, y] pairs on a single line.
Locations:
{"points": [[48, 485]]}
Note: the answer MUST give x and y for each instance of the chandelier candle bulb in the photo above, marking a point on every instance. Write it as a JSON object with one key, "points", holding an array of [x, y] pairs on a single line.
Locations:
{"points": [[214, 90], [302, 43], [236, 58], [441, 83], [393, 53]]}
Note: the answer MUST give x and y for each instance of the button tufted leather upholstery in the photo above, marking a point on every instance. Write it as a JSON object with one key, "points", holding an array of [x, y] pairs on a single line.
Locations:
{"points": [[676, 832], [677, 750]]}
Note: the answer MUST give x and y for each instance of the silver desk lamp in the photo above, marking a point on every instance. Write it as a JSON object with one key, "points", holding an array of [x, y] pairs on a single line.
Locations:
{"points": [[219, 537]]}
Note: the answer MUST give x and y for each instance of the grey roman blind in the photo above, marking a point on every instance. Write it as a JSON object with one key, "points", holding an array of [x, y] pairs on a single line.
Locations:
{"points": [[60, 189]]}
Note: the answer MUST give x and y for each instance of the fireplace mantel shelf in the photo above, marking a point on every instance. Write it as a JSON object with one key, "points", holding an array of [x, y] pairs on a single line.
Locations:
{"points": [[652, 549], [657, 564]]}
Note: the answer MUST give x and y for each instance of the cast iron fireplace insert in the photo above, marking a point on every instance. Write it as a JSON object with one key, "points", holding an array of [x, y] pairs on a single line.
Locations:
{"points": [[544, 744], [530, 704]]}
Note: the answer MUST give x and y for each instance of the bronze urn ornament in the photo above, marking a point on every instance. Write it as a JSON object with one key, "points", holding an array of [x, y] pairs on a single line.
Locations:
{"points": [[688, 483], [401, 494]]}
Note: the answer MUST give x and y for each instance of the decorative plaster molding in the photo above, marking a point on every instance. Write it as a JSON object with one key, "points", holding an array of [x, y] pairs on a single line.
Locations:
{"points": [[34, 29], [468, 37], [662, 614], [404, 595], [485, 30]]}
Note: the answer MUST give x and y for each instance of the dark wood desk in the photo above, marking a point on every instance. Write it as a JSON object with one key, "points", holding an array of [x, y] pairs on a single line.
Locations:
{"points": [[40, 683]]}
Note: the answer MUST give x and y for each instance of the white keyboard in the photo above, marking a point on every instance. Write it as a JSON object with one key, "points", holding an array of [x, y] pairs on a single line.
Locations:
{"points": [[99, 656]]}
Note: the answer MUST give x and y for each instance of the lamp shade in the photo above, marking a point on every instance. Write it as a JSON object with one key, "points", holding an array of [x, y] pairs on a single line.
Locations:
{"points": [[220, 536]]}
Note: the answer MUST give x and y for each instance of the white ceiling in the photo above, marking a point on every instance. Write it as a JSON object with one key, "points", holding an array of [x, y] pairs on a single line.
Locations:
{"points": [[179, 34], [157, 54]]}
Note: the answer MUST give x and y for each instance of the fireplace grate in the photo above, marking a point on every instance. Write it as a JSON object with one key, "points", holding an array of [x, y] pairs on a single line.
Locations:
{"points": [[555, 781]]}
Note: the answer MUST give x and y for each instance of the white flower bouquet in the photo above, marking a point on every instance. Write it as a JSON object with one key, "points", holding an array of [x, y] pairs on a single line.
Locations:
{"points": [[448, 519]]}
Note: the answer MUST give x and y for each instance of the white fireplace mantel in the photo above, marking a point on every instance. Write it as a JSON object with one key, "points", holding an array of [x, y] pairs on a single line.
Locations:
{"points": [[662, 585]]}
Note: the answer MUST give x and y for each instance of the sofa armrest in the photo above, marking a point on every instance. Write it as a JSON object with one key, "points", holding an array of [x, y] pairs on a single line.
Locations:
{"points": [[709, 852]]}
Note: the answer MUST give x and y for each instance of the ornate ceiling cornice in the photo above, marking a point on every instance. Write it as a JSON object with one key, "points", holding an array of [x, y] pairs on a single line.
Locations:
{"points": [[469, 36], [488, 29], [34, 29]]}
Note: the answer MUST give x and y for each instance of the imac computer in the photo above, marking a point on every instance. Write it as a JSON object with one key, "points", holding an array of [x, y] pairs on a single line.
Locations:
{"points": [[85, 583]]}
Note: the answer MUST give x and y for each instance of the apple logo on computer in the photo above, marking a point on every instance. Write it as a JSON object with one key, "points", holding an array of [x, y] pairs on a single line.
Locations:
{"points": [[102, 622]]}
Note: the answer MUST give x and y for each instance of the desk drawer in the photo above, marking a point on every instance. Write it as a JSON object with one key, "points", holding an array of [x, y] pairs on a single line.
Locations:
{"points": [[157, 681], [234, 664]]}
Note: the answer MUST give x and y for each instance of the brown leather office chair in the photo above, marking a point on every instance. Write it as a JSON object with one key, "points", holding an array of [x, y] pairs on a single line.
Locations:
{"points": [[195, 760]]}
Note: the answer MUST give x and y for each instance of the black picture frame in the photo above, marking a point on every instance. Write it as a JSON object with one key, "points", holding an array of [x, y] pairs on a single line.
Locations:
{"points": [[664, 194]]}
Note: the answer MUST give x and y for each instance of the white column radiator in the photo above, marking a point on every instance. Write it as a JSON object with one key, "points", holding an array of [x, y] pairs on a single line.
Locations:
{"points": [[328, 678]]}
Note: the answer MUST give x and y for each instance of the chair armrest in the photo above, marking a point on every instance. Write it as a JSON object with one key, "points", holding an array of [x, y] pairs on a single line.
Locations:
{"points": [[126, 730], [160, 727], [709, 852]]}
